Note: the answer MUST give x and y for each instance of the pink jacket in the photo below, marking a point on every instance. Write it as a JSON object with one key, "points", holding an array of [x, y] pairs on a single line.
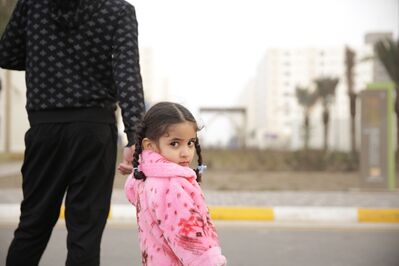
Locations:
{"points": [[173, 221]]}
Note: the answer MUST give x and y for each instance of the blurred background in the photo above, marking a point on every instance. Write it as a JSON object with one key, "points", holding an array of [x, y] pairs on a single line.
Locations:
{"points": [[278, 86], [299, 106]]}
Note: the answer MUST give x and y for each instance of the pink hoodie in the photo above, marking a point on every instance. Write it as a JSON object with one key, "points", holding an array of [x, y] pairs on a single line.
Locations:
{"points": [[173, 221]]}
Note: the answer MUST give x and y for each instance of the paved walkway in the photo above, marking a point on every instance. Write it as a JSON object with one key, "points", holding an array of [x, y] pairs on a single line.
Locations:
{"points": [[266, 198], [293, 198]]}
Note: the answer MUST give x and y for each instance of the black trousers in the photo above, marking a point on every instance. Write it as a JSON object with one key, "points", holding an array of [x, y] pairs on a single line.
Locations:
{"points": [[76, 158]]}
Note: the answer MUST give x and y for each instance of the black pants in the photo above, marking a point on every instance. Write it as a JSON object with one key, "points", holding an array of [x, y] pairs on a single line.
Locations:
{"points": [[76, 158]]}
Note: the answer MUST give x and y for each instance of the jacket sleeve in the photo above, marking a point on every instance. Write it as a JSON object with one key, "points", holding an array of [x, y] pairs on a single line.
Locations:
{"points": [[126, 72], [186, 225], [13, 40], [130, 189]]}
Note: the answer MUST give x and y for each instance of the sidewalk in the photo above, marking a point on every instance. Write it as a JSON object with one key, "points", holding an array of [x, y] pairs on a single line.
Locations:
{"points": [[277, 206]]}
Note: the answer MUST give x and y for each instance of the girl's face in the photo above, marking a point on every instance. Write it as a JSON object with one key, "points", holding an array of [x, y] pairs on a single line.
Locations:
{"points": [[177, 144]]}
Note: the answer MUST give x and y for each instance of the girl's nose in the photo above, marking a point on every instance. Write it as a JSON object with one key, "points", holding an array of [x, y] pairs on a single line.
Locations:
{"points": [[184, 152]]}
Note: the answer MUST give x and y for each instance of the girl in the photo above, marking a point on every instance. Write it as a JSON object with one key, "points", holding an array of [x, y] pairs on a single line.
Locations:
{"points": [[173, 221]]}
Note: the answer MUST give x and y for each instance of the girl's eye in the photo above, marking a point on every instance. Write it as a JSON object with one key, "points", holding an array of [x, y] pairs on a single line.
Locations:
{"points": [[174, 144], [191, 143]]}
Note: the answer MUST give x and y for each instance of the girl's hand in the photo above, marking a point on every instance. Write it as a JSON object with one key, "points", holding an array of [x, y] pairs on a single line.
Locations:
{"points": [[126, 167]]}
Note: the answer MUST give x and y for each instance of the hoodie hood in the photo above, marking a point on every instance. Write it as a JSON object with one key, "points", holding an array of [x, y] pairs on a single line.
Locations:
{"points": [[155, 165], [72, 13]]}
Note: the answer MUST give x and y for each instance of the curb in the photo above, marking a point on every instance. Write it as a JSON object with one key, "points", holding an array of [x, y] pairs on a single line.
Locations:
{"points": [[307, 214], [126, 213]]}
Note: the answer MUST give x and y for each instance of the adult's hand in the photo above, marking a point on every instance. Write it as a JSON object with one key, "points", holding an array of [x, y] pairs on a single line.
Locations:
{"points": [[126, 167]]}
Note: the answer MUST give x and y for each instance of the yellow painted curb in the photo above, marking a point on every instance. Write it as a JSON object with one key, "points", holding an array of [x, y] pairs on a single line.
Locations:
{"points": [[241, 213], [364, 215], [378, 215], [62, 212]]}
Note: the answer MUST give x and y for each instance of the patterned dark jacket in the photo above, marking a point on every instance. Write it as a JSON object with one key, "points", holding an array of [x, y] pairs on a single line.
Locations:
{"points": [[80, 57]]}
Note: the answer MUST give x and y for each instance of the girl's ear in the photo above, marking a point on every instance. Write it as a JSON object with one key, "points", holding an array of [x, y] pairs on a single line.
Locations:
{"points": [[147, 144]]}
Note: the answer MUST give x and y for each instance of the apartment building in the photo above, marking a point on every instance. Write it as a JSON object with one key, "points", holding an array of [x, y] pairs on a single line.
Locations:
{"points": [[274, 116]]}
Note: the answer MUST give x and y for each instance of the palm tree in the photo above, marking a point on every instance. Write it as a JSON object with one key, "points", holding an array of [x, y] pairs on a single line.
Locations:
{"points": [[388, 53], [307, 100], [325, 88], [6, 8], [350, 56]]}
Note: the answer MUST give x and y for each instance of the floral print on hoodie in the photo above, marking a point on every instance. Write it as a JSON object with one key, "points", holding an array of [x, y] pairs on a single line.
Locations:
{"points": [[173, 221]]}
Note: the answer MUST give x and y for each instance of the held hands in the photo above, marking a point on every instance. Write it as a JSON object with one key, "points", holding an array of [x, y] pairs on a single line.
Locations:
{"points": [[126, 167]]}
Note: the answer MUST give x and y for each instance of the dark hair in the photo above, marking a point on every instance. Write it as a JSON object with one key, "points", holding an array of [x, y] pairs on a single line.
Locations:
{"points": [[155, 124]]}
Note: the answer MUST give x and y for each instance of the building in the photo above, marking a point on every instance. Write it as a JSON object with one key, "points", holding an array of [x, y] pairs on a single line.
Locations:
{"points": [[13, 117], [275, 117]]}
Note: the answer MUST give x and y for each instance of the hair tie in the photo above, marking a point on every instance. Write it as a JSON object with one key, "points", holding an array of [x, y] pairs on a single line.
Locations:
{"points": [[136, 170], [201, 168]]}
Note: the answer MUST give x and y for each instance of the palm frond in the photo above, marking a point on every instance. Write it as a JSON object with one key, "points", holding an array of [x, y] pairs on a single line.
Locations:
{"points": [[387, 51], [326, 86], [305, 97]]}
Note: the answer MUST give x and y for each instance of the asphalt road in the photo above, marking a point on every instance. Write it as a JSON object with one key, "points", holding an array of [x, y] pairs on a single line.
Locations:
{"points": [[250, 244]]}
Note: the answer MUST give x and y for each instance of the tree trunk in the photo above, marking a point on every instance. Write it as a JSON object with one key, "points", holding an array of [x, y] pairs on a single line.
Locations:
{"points": [[397, 124], [326, 120], [350, 56], [306, 133], [352, 97]]}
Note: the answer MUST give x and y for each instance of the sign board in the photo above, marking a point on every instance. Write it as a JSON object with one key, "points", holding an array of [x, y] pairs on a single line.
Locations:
{"points": [[377, 167]]}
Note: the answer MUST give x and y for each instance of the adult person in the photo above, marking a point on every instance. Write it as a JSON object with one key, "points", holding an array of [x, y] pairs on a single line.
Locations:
{"points": [[81, 58]]}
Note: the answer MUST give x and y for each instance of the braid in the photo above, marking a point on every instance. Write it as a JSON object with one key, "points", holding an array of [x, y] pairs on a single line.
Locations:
{"points": [[138, 149], [198, 150]]}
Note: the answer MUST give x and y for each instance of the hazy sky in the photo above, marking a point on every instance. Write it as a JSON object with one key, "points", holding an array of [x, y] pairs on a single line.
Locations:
{"points": [[211, 48]]}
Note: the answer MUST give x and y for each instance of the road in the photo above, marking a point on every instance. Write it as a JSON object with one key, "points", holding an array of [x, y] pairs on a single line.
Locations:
{"points": [[252, 244]]}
